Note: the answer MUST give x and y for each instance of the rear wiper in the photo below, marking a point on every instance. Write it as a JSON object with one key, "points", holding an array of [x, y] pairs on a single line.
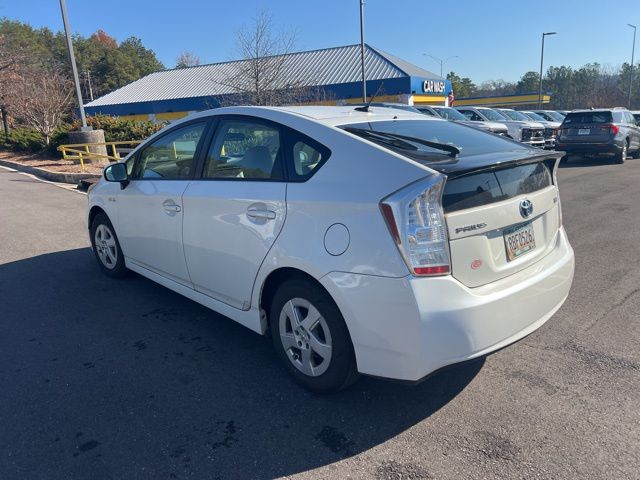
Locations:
{"points": [[382, 138], [451, 149]]}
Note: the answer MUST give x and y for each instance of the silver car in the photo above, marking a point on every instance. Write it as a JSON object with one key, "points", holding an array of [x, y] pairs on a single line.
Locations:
{"points": [[550, 127], [525, 131], [452, 114]]}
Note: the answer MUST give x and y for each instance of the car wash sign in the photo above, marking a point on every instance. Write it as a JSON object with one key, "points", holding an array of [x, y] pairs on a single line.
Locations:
{"points": [[434, 86]]}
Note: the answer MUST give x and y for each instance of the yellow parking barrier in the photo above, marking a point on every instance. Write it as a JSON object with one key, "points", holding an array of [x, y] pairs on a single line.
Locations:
{"points": [[82, 151]]}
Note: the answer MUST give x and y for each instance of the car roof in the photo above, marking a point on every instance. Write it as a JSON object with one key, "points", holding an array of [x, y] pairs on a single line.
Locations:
{"points": [[585, 110], [328, 115]]}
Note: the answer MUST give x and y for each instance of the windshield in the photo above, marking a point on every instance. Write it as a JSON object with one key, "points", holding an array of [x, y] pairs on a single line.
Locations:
{"points": [[469, 141], [493, 115], [554, 116], [535, 116], [450, 113], [513, 115]]}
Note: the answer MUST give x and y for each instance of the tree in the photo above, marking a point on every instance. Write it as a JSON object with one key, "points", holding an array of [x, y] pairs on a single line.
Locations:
{"points": [[529, 82], [187, 59], [41, 99], [462, 87], [262, 77]]}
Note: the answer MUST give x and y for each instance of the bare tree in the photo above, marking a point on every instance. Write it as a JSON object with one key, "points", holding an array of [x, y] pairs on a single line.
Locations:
{"points": [[262, 77], [187, 59], [41, 98]]}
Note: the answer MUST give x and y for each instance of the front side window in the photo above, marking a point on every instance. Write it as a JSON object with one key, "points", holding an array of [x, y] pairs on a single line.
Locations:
{"points": [[172, 156], [244, 149]]}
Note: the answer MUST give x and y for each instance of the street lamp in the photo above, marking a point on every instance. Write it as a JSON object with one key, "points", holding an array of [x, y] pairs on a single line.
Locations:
{"points": [[541, 61], [441, 61], [72, 58], [633, 48]]}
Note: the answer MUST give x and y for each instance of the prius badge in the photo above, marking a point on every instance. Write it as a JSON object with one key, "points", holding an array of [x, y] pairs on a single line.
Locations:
{"points": [[526, 208]]}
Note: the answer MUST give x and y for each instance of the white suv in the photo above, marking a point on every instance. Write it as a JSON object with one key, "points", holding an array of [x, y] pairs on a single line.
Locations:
{"points": [[365, 240]]}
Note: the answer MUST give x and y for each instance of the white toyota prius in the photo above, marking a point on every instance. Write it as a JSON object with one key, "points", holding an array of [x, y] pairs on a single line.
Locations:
{"points": [[365, 240]]}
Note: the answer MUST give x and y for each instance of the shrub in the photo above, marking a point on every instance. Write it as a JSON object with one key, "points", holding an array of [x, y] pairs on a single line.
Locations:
{"points": [[60, 136], [23, 140], [119, 129]]}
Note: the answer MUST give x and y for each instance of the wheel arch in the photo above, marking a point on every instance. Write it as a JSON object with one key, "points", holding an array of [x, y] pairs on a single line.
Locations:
{"points": [[93, 212], [276, 278]]}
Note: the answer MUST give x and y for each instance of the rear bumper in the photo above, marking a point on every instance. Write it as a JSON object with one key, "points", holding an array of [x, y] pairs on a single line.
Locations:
{"points": [[610, 148], [406, 328]]}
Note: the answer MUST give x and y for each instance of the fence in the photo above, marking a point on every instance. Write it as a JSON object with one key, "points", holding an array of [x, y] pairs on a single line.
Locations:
{"points": [[82, 151]]}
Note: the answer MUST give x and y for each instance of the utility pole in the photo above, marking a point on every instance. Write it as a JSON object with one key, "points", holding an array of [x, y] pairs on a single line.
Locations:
{"points": [[541, 62], [633, 51], [72, 57], [364, 76]]}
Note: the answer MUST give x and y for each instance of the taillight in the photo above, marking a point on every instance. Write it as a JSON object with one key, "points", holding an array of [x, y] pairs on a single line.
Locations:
{"points": [[416, 222], [559, 203], [612, 129]]}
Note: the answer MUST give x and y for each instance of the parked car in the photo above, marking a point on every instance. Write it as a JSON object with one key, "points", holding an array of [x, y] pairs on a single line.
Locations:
{"points": [[528, 132], [410, 243], [550, 127], [515, 116], [452, 114], [636, 115], [609, 131], [550, 115]]}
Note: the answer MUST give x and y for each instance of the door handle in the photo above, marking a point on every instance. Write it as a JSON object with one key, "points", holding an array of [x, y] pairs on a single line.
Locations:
{"points": [[171, 207], [261, 214]]}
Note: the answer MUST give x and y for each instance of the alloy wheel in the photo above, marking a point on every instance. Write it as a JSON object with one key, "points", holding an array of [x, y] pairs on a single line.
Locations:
{"points": [[305, 337], [105, 245]]}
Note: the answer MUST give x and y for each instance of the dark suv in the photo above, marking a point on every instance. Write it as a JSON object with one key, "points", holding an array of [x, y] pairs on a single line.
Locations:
{"points": [[610, 131]]}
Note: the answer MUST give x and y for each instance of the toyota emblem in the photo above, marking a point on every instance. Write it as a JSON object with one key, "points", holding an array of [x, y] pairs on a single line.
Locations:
{"points": [[526, 208]]}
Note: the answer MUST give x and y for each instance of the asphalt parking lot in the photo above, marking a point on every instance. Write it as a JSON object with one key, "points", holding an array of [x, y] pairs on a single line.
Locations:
{"points": [[124, 379]]}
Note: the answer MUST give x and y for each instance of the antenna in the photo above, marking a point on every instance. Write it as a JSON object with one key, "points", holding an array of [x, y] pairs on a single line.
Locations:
{"points": [[365, 108]]}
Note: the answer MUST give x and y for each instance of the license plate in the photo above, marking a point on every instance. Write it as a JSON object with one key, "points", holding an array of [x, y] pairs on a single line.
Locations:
{"points": [[584, 131], [518, 240]]}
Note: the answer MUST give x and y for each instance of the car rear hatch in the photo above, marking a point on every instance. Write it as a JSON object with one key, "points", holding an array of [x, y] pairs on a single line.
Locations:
{"points": [[588, 127], [501, 219]]}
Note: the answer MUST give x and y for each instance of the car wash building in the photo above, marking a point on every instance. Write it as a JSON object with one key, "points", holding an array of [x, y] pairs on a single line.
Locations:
{"points": [[335, 72]]}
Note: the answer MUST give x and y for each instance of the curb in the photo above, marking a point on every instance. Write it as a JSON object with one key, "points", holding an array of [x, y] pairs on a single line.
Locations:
{"points": [[60, 177]]}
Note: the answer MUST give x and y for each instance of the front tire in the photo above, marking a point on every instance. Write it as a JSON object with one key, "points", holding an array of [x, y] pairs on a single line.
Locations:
{"points": [[106, 247], [311, 337]]}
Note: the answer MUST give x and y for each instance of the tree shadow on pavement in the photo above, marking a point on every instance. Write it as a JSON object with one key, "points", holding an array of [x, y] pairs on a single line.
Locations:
{"points": [[125, 379]]}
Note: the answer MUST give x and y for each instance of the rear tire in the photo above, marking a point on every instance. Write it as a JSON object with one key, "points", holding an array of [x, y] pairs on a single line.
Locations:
{"points": [[636, 154], [311, 338], [106, 247], [622, 156]]}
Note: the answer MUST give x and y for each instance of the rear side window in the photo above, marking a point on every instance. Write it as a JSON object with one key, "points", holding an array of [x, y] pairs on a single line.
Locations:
{"points": [[587, 117], [244, 149], [489, 187]]}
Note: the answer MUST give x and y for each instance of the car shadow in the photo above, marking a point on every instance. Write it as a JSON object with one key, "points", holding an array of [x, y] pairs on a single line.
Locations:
{"points": [[576, 161], [127, 379]]}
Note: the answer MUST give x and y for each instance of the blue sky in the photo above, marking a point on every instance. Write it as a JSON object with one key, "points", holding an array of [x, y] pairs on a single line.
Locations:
{"points": [[493, 38]]}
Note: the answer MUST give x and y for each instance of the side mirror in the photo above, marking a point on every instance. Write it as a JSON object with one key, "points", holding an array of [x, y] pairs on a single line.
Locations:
{"points": [[117, 172]]}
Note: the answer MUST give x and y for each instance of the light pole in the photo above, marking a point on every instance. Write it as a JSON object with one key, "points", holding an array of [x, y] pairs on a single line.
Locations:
{"points": [[541, 62], [633, 50], [72, 57], [441, 61], [364, 78]]}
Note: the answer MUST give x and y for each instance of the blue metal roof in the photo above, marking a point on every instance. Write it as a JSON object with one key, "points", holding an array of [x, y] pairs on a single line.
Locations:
{"points": [[329, 66]]}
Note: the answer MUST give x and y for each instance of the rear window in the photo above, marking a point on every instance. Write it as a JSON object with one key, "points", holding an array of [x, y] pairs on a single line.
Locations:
{"points": [[469, 141], [587, 117], [483, 188]]}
